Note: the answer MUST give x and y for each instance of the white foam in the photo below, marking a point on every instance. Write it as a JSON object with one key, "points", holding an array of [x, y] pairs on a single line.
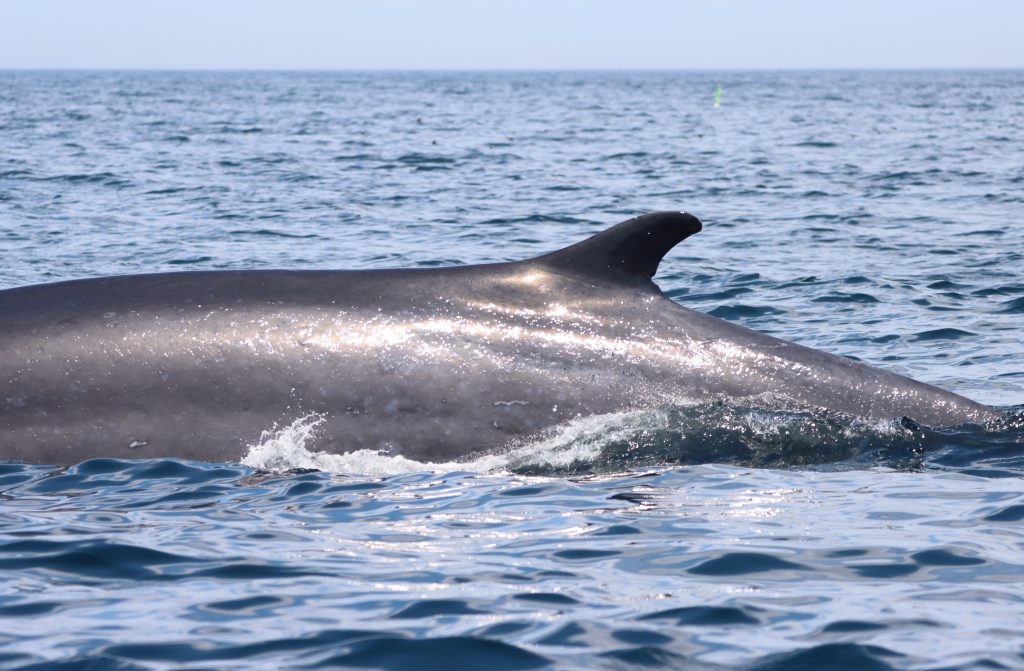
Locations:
{"points": [[286, 449], [576, 442], [580, 444], [580, 441]]}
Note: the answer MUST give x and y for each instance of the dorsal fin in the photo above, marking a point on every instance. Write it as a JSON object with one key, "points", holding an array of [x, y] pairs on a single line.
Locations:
{"points": [[633, 248]]}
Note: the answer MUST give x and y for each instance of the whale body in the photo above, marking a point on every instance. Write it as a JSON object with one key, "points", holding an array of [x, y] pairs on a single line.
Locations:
{"points": [[429, 363]]}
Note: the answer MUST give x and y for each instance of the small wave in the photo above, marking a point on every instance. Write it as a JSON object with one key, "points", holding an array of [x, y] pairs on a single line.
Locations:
{"points": [[534, 219], [740, 311], [269, 232], [944, 284], [717, 295], [425, 159], [988, 232], [911, 177], [1006, 290], [346, 649], [300, 177], [627, 154], [943, 334], [699, 434], [799, 282], [832, 656], [1016, 306], [355, 157], [846, 298], [104, 178], [245, 130], [277, 158], [816, 144], [166, 192], [286, 449], [439, 263]]}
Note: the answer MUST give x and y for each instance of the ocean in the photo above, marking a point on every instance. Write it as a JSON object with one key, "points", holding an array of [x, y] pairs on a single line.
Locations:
{"points": [[873, 214]]}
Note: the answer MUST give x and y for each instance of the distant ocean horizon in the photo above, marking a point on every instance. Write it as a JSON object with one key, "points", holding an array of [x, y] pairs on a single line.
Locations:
{"points": [[866, 70]]}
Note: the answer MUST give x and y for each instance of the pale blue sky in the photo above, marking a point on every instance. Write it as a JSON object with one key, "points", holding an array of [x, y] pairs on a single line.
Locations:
{"points": [[527, 34]]}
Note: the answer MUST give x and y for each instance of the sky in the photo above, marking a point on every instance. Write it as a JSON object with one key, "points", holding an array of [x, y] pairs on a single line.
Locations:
{"points": [[510, 34]]}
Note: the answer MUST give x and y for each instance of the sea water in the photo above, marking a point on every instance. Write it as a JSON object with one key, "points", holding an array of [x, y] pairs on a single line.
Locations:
{"points": [[872, 214]]}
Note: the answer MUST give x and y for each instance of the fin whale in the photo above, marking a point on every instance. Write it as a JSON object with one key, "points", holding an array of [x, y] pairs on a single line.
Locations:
{"points": [[429, 363]]}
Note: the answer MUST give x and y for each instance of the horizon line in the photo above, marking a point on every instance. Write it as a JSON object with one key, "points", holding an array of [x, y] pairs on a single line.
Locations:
{"points": [[910, 68]]}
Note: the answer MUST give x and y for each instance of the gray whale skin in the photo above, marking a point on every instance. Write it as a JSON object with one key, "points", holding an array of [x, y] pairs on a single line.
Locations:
{"points": [[429, 363]]}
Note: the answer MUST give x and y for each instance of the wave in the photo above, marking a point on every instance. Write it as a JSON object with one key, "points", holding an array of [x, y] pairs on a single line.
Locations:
{"points": [[718, 432]]}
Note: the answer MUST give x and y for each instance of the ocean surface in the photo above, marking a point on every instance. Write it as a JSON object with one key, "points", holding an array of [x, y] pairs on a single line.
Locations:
{"points": [[878, 215]]}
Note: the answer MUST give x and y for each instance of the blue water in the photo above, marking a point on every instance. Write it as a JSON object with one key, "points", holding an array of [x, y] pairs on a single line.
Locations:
{"points": [[875, 214]]}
